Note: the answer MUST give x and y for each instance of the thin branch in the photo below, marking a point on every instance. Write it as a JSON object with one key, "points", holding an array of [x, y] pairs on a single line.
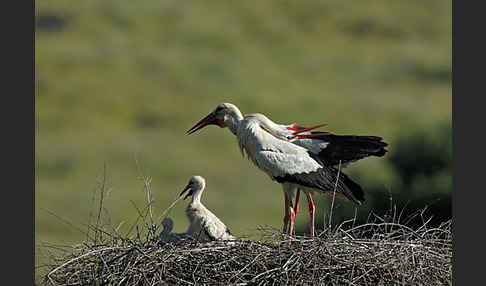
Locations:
{"points": [[334, 193], [102, 191]]}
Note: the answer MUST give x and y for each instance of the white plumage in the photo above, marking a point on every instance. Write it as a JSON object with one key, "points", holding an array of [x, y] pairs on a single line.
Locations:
{"points": [[269, 152], [204, 225]]}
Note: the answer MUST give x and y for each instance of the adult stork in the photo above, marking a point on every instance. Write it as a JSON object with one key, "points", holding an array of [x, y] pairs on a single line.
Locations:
{"points": [[204, 225], [296, 157]]}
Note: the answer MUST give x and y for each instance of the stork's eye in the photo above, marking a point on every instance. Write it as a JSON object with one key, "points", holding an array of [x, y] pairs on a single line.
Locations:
{"points": [[219, 108]]}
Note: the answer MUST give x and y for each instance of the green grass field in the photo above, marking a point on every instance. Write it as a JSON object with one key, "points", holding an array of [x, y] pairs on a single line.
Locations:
{"points": [[121, 81]]}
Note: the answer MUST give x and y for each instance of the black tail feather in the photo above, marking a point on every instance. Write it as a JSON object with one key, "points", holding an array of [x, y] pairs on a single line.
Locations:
{"points": [[352, 190], [345, 186], [348, 148]]}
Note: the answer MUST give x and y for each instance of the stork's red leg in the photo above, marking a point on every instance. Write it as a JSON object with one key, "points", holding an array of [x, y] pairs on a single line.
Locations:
{"points": [[292, 219], [296, 208], [289, 217], [287, 214], [311, 212]]}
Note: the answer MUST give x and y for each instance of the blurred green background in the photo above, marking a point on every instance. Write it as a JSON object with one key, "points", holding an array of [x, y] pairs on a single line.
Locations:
{"points": [[119, 82]]}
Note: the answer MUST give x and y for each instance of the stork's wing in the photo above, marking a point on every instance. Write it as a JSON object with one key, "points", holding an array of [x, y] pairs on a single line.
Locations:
{"points": [[305, 170], [277, 163], [215, 229], [331, 149]]}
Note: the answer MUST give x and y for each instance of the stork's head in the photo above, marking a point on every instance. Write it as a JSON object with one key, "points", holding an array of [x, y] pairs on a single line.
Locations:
{"points": [[195, 187], [225, 115], [168, 224]]}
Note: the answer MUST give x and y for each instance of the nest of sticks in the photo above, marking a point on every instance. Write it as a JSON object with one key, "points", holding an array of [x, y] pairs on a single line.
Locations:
{"points": [[369, 254]]}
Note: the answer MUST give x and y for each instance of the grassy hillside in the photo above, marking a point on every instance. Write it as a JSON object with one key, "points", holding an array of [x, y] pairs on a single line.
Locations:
{"points": [[119, 82]]}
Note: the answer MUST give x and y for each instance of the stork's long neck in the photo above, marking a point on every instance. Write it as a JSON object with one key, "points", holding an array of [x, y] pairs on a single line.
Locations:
{"points": [[196, 197], [272, 128], [256, 132], [233, 121]]}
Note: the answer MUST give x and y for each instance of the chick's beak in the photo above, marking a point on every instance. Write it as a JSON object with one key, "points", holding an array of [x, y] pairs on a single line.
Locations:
{"points": [[188, 187]]}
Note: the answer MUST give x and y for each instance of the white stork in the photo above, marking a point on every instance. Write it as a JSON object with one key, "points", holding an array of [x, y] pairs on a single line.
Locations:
{"points": [[295, 157], [167, 225], [204, 225], [166, 235]]}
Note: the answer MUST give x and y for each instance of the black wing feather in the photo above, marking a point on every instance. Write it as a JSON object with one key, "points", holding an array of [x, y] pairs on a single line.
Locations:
{"points": [[325, 179], [349, 148]]}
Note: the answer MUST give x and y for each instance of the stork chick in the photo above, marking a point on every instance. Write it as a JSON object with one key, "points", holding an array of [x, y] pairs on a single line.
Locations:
{"points": [[204, 225], [166, 235]]}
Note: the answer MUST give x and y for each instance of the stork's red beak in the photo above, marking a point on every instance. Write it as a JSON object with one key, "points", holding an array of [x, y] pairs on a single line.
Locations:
{"points": [[208, 120]]}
